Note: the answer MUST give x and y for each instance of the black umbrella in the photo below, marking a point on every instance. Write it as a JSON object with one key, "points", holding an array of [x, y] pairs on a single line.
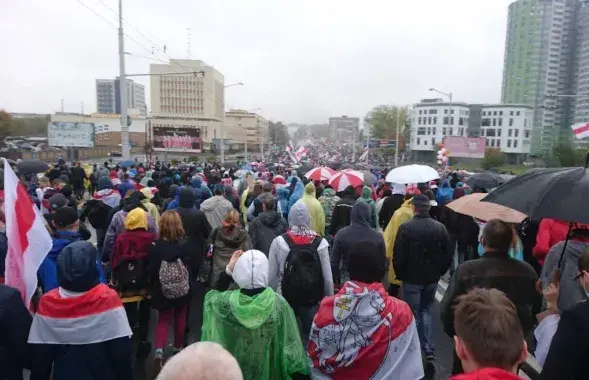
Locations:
{"points": [[486, 180], [548, 193], [31, 166]]}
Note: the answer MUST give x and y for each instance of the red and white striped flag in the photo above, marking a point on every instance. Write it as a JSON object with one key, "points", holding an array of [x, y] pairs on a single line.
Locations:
{"points": [[364, 155], [301, 152], [28, 239], [581, 130]]}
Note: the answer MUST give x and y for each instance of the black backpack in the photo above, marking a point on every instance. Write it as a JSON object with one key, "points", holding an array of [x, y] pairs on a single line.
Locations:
{"points": [[98, 215], [302, 281]]}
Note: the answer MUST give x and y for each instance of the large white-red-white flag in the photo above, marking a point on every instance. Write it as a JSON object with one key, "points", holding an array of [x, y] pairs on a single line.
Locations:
{"points": [[28, 239], [301, 152], [581, 130]]}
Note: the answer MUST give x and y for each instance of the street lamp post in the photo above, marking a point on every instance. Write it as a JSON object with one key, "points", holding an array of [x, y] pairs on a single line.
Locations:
{"points": [[223, 124], [449, 95]]}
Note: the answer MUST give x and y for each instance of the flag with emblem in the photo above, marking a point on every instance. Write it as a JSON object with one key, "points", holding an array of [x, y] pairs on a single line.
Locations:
{"points": [[363, 333], [581, 130]]}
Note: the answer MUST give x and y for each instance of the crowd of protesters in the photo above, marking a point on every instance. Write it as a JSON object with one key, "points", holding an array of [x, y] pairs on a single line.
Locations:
{"points": [[302, 281]]}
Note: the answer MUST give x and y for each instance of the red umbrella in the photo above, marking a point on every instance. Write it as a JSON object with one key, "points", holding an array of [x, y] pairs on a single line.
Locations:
{"points": [[321, 173], [346, 178], [279, 180]]}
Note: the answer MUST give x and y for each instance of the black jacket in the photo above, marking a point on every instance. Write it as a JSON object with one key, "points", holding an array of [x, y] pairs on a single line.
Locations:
{"points": [[341, 212], [344, 240], [517, 279], [265, 228], [389, 206], [160, 251], [15, 322], [569, 350], [196, 226], [423, 251]]}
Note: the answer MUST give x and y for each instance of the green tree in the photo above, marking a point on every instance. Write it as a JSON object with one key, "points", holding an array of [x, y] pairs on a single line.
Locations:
{"points": [[278, 133], [5, 125], [566, 155], [493, 158], [383, 120]]}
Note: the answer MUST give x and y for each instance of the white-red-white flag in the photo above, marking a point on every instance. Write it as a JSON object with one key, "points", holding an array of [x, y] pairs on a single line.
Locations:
{"points": [[364, 155], [581, 130], [301, 152], [28, 239]]}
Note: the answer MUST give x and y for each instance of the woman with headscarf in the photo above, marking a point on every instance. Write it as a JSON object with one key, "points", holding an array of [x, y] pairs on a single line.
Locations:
{"points": [[299, 233], [255, 324], [80, 330], [227, 239]]}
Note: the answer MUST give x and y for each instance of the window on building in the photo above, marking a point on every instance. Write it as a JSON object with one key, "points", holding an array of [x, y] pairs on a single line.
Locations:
{"points": [[452, 120], [486, 122], [484, 113], [509, 143], [446, 120], [516, 133], [525, 123], [452, 112], [433, 141], [527, 133], [425, 142], [494, 113], [510, 113], [451, 131], [492, 143], [509, 132], [420, 112], [500, 113], [500, 122], [429, 130], [444, 131], [511, 122], [461, 121], [517, 113], [419, 120], [429, 120], [482, 132], [445, 112], [499, 133], [490, 132], [435, 120], [494, 122], [418, 140], [515, 143], [434, 130], [421, 131]]}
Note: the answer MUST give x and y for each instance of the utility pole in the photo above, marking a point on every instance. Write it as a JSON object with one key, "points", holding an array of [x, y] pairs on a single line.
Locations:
{"points": [[354, 145], [82, 108], [125, 148], [397, 136], [62, 105]]}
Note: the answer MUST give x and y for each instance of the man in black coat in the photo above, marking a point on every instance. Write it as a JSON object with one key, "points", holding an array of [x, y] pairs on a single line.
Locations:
{"points": [[15, 322], [341, 213], [266, 226], [495, 269], [423, 253], [196, 225], [347, 238], [78, 177]]}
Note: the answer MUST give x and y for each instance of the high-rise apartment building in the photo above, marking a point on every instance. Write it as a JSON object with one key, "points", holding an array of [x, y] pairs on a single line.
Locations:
{"points": [[108, 96], [188, 90], [544, 60]]}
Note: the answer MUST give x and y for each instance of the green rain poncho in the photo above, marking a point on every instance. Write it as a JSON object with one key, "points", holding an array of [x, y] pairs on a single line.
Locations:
{"points": [[261, 332]]}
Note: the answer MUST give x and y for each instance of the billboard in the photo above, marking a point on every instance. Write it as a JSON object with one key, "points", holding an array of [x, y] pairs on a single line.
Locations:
{"points": [[471, 147], [66, 134], [170, 139]]}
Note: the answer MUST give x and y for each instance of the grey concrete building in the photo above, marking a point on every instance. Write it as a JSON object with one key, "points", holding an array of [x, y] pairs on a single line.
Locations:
{"points": [[108, 100]]}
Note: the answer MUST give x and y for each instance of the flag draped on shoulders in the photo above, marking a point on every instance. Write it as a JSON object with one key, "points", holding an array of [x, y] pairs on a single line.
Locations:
{"points": [[28, 239], [363, 333], [94, 316]]}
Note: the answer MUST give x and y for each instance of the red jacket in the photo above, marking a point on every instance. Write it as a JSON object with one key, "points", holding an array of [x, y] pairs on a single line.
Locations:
{"points": [[550, 232], [132, 245], [487, 374]]}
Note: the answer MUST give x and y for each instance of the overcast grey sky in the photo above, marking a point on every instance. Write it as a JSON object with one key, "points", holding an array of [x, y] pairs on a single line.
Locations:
{"points": [[301, 61]]}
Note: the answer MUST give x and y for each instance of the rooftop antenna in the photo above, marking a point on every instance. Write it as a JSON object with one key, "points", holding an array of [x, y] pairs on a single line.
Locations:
{"points": [[189, 44]]}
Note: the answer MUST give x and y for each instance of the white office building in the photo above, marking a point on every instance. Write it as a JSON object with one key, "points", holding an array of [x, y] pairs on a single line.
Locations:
{"points": [[507, 127]]}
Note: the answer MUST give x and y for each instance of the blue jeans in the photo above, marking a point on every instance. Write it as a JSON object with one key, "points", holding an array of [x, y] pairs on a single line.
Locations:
{"points": [[421, 298]]}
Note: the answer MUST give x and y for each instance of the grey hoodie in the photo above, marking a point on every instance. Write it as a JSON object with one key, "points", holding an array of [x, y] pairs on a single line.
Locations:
{"points": [[216, 209]]}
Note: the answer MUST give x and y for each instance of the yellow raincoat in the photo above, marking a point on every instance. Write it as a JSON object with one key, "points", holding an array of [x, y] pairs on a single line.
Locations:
{"points": [[402, 215], [315, 209]]}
